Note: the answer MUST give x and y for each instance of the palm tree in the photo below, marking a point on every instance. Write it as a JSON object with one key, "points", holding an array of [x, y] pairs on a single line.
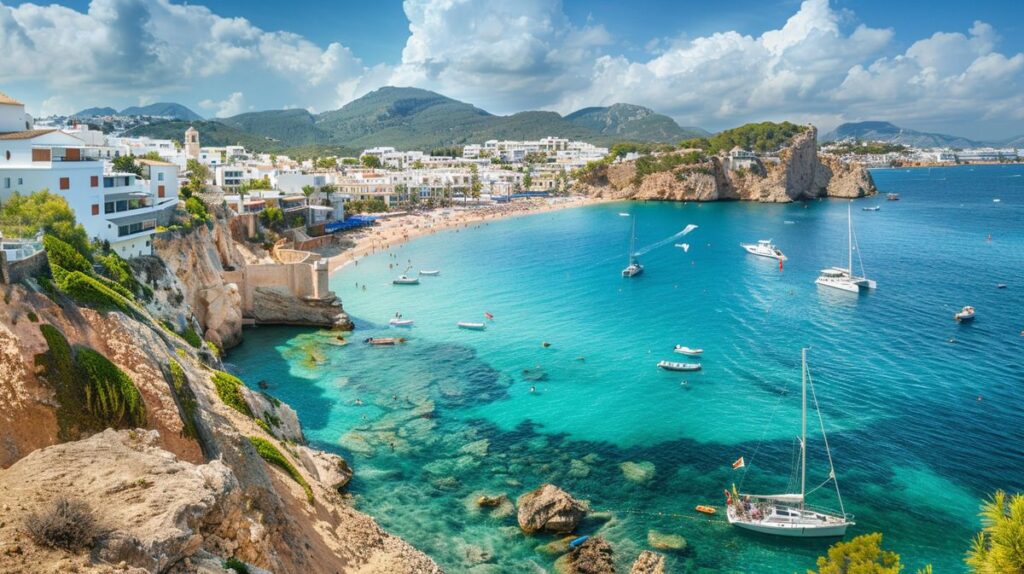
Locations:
{"points": [[448, 193], [998, 548], [308, 190]]}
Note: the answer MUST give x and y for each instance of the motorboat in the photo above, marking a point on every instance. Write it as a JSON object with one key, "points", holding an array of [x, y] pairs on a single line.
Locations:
{"points": [[430, 272], [471, 326], [688, 351], [674, 366], [623, 214], [843, 278], [384, 341], [405, 280], [965, 314], [875, 208], [788, 514], [399, 322], [892, 197], [634, 268], [684, 246], [764, 248]]}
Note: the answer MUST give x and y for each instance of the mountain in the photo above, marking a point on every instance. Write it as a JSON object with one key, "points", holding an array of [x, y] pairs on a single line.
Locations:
{"points": [[1015, 142], [92, 112], [887, 132], [296, 127], [163, 109], [631, 122]]}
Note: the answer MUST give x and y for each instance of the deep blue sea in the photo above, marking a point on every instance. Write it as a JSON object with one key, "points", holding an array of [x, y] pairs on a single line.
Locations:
{"points": [[925, 416]]}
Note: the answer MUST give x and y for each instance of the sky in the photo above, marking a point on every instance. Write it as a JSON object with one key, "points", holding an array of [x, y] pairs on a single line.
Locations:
{"points": [[941, 65]]}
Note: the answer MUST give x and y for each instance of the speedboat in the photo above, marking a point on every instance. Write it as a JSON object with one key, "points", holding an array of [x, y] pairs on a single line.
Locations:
{"points": [[875, 208], [688, 351], [684, 246], [397, 322], [406, 280], [893, 197], [965, 314], [381, 341], [764, 248], [471, 326], [623, 214], [430, 272], [674, 366]]}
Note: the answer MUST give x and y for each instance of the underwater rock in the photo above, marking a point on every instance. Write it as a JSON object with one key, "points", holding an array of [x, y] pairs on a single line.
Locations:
{"points": [[578, 469], [648, 563], [490, 501], [549, 508], [476, 448], [556, 547], [356, 442], [664, 541], [638, 471], [592, 557]]}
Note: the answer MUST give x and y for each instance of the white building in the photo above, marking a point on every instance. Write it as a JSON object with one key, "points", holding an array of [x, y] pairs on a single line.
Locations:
{"points": [[115, 207]]}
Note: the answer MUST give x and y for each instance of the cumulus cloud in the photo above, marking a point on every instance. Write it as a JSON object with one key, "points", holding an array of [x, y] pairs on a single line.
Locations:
{"points": [[233, 105]]}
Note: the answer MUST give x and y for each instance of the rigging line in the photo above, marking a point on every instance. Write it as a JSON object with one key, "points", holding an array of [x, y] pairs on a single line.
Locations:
{"points": [[764, 431], [828, 451], [863, 271]]}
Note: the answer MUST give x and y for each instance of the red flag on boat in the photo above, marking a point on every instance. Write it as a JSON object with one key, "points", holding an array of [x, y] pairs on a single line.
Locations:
{"points": [[738, 464], [780, 265], [489, 316]]}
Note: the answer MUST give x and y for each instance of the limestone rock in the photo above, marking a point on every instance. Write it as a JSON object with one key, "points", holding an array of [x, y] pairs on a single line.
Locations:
{"points": [[281, 418], [665, 541], [331, 470], [549, 508], [594, 556], [638, 471], [648, 563]]}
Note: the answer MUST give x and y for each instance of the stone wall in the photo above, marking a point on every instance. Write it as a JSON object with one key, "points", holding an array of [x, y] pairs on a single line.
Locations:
{"points": [[15, 271]]}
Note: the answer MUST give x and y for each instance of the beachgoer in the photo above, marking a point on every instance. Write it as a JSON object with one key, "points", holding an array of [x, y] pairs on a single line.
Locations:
{"points": [[533, 389]]}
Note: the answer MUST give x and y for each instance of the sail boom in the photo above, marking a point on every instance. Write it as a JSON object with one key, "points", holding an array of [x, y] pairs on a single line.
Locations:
{"points": [[777, 497]]}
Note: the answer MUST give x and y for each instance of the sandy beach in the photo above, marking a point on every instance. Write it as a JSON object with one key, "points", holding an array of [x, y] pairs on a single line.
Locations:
{"points": [[398, 229]]}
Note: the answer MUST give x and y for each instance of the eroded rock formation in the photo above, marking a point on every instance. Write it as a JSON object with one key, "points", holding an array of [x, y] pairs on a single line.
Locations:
{"points": [[549, 508]]}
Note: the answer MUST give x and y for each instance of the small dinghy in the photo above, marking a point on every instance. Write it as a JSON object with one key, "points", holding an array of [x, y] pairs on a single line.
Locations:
{"points": [[674, 366], [965, 314], [384, 341], [875, 208], [578, 541], [430, 272], [688, 351], [406, 280], [1000, 285], [471, 326], [623, 214], [706, 509], [396, 322]]}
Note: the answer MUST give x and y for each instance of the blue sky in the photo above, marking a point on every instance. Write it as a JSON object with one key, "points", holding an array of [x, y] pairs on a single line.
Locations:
{"points": [[941, 65]]}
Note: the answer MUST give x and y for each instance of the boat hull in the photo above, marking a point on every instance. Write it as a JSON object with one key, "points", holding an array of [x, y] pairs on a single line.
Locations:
{"points": [[849, 286], [472, 326], [753, 250], [795, 530]]}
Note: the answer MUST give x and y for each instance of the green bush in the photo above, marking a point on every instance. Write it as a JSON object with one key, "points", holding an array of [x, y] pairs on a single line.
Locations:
{"points": [[229, 389], [237, 565], [86, 289], [197, 209], [25, 215], [66, 257], [32, 317], [271, 454], [191, 337], [186, 400], [110, 394], [117, 270]]}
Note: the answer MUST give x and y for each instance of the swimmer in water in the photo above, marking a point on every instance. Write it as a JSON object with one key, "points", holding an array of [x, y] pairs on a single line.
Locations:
{"points": [[533, 389]]}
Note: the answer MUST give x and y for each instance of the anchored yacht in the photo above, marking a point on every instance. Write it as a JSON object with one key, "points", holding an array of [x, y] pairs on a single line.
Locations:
{"points": [[843, 278], [764, 248]]}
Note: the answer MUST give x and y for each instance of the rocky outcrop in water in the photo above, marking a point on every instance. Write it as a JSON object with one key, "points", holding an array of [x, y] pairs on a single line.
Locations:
{"points": [[648, 563], [594, 556], [800, 173], [550, 509]]}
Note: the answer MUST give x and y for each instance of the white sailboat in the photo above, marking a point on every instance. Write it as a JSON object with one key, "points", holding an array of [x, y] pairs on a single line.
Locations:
{"points": [[634, 268], [788, 514], [843, 278]]}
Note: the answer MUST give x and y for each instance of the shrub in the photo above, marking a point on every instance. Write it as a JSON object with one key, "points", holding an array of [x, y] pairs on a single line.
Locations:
{"points": [[197, 209], [186, 399], [214, 348], [271, 454], [237, 565], [24, 215], [66, 524], [191, 337], [120, 272], [32, 317], [66, 257], [86, 289], [110, 394], [229, 389]]}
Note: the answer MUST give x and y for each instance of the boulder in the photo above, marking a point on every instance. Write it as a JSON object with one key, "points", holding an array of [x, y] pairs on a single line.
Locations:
{"points": [[592, 557], [281, 418], [331, 470], [638, 471], [665, 541], [551, 509], [648, 563]]}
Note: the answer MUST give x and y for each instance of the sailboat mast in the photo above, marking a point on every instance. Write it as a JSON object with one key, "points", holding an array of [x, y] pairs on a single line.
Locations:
{"points": [[632, 241], [803, 424], [849, 237]]}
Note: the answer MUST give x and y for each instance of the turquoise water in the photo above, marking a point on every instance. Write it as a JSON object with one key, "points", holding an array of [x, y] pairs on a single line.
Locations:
{"points": [[449, 414]]}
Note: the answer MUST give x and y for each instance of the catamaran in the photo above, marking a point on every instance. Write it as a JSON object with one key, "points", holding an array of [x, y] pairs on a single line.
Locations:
{"points": [[634, 268], [843, 278], [788, 514], [764, 248]]}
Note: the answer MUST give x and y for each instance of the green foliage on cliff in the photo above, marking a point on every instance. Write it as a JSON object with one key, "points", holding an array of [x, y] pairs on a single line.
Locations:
{"points": [[197, 210], [92, 393], [89, 290], [866, 148], [649, 164], [110, 394], [999, 547], [229, 389], [186, 399], [120, 273], [762, 137], [63, 255], [271, 454], [24, 215]]}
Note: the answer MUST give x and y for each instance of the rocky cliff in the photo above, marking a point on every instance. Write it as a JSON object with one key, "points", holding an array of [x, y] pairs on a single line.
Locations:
{"points": [[799, 174], [201, 473]]}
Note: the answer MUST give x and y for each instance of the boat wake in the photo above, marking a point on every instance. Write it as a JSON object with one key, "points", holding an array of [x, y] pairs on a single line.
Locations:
{"points": [[666, 241]]}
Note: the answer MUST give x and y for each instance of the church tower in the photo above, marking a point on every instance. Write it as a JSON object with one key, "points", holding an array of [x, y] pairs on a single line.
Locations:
{"points": [[192, 143]]}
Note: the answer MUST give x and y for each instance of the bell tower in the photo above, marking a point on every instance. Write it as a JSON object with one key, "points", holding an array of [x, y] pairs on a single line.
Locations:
{"points": [[192, 143]]}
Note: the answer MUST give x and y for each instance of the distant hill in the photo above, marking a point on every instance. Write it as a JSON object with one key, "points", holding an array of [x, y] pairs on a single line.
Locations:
{"points": [[217, 134], [412, 118], [631, 122], [92, 112], [164, 110], [1016, 142], [887, 132]]}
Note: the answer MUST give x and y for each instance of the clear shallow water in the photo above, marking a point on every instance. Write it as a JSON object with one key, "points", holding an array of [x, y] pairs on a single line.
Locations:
{"points": [[450, 414]]}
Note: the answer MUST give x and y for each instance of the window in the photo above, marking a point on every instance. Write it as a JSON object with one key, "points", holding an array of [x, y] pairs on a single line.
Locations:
{"points": [[94, 181], [7, 183], [95, 209], [8, 155], [20, 181], [160, 177], [65, 183]]}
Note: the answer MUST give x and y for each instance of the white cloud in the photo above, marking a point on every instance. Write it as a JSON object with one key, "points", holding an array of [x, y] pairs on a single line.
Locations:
{"points": [[232, 106]]}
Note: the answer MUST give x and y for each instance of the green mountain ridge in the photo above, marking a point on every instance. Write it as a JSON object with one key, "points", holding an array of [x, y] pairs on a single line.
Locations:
{"points": [[891, 133], [159, 109]]}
